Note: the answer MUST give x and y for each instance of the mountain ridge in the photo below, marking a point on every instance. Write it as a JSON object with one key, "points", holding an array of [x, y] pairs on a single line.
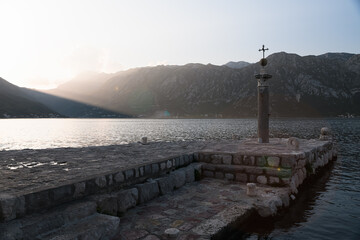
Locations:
{"points": [[302, 86]]}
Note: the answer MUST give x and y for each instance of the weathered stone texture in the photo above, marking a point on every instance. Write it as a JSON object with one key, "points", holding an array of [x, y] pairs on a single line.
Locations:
{"points": [[100, 181], [237, 159], [273, 161], [208, 173], [229, 176], [129, 174], [148, 191], [11, 206], [261, 161], [242, 177], [219, 175], [119, 177], [166, 184], [261, 179], [179, 178], [127, 199], [155, 168], [190, 174]]}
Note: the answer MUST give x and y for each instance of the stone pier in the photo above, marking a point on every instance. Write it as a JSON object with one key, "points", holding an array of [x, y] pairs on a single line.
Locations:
{"points": [[179, 190]]}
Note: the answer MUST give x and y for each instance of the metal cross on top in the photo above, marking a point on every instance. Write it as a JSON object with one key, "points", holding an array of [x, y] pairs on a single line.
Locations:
{"points": [[263, 49]]}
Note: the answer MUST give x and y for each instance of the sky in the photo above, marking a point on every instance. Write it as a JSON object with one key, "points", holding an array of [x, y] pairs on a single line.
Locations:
{"points": [[46, 42]]}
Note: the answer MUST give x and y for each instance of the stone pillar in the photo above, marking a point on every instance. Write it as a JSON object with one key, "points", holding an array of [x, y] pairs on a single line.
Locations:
{"points": [[263, 114], [263, 103]]}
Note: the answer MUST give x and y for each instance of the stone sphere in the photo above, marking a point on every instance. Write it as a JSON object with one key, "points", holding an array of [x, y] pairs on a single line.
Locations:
{"points": [[263, 62], [325, 131]]}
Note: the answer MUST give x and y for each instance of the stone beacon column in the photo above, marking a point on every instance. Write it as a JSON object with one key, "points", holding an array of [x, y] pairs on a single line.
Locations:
{"points": [[263, 100]]}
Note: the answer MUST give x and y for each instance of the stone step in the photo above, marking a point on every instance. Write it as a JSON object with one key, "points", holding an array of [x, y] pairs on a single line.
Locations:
{"points": [[33, 225], [95, 227]]}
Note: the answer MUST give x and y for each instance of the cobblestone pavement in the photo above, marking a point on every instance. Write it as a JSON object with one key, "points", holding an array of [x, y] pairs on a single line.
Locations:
{"points": [[26, 171], [197, 210]]}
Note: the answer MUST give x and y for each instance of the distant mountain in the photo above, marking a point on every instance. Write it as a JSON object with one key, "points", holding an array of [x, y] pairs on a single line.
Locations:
{"points": [[15, 103], [81, 86], [237, 65], [71, 108], [310, 86]]}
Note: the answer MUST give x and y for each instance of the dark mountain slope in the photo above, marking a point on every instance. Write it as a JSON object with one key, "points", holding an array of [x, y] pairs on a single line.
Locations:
{"points": [[15, 103], [71, 108]]}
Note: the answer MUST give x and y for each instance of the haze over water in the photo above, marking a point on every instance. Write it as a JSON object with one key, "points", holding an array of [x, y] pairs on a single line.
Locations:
{"points": [[329, 209]]}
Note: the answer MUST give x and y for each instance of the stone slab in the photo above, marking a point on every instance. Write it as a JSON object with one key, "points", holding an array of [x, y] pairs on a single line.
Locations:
{"points": [[198, 210]]}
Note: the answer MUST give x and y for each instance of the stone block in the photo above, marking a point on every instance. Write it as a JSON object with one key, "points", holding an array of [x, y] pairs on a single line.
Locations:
{"points": [[302, 163], [226, 159], [274, 180], [162, 166], [169, 164], [285, 199], [219, 175], [300, 175], [127, 199], [79, 189], [62, 193], [137, 174], [209, 167], [109, 179], [261, 179], [205, 157], [148, 191], [190, 174], [129, 174], [251, 189], [241, 177], [179, 177], [141, 171], [119, 177], [107, 204], [147, 169], [208, 173], [177, 162], [288, 162], [186, 160], [166, 184], [196, 156], [254, 170], [285, 181], [11, 207], [248, 160], [216, 159], [198, 166], [237, 159], [182, 161], [155, 168], [278, 172], [252, 178], [229, 176], [273, 161], [100, 181], [191, 158], [36, 201], [261, 161]]}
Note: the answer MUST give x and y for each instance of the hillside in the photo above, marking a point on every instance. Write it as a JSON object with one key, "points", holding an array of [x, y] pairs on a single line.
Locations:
{"points": [[310, 86], [15, 103]]}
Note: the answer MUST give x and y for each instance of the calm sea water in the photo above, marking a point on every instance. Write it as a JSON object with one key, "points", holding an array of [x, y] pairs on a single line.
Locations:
{"points": [[328, 208]]}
